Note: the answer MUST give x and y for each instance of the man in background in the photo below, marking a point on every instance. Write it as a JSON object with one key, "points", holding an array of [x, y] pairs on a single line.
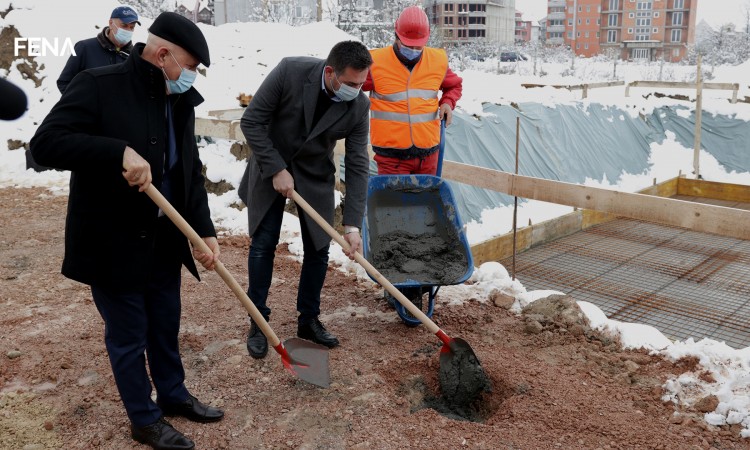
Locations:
{"points": [[111, 46]]}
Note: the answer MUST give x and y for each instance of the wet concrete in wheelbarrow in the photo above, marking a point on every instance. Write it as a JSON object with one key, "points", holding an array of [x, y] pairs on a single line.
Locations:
{"points": [[428, 258]]}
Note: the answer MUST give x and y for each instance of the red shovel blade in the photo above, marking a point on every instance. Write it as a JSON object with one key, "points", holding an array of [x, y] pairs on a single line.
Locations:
{"points": [[306, 360]]}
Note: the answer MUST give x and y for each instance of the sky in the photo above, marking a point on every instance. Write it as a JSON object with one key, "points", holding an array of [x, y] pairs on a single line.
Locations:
{"points": [[239, 65], [715, 12]]}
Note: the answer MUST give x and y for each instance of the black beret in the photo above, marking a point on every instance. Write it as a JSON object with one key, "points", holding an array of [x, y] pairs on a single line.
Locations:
{"points": [[182, 31]]}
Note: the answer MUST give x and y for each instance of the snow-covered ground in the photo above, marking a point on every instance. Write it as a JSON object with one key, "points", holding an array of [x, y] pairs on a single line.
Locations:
{"points": [[243, 54]]}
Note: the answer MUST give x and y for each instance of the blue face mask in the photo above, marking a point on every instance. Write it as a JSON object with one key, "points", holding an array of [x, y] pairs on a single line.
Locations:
{"points": [[409, 53], [123, 36], [345, 92], [183, 82]]}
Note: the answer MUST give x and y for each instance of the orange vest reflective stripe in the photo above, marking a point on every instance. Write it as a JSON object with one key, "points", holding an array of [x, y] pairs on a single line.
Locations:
{"points": [[403, 104]]}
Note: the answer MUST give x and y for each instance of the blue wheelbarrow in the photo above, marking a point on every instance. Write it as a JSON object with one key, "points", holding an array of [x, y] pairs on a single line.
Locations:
{"points": [[412, 233]]}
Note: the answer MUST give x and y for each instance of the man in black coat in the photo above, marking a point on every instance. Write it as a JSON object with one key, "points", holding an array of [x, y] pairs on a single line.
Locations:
{"points": [[299, 112], [111, 46], [116, 239]]}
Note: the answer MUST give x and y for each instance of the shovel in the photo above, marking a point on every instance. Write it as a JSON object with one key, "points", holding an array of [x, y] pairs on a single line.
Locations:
{"points": [[462, 378], [304, 359]]}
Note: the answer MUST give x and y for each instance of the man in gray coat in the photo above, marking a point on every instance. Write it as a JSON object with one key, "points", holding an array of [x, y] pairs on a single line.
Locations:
{"points": [[299, 112]]}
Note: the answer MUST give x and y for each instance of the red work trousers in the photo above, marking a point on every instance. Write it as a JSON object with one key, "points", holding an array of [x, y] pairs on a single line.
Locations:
{"points": [[418, 166]]}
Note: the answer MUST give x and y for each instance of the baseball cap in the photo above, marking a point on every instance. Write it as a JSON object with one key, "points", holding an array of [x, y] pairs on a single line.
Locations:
{"points": [[126, 14]]}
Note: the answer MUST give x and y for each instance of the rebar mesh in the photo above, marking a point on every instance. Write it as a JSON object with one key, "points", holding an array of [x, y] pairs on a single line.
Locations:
{"points": [[684, 283]]}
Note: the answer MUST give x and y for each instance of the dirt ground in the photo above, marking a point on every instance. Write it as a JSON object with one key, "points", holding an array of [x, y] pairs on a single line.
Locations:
{"points": [[555, 384]]}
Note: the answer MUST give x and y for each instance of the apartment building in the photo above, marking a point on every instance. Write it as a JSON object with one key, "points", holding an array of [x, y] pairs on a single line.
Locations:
{"points": [[523, 28], [460, 21], [629, 29]]}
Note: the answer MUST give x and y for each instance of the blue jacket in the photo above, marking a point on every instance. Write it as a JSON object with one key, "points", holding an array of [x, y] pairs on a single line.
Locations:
{"points": [[91, 53]]}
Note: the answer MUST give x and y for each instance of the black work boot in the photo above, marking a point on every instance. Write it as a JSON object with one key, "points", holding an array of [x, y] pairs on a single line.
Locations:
{"points": [[257, 344]]}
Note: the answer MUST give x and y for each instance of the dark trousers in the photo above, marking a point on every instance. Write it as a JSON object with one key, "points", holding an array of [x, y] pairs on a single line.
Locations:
{"points": [[260, 265], [147, 322]]}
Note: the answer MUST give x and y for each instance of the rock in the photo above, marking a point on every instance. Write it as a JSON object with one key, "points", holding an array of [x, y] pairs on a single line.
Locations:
{"points": [[48, 425], [676, 418], [707, 404], [13, 354], [561, 311], [533, 327], [502, 300], [631, 366]]}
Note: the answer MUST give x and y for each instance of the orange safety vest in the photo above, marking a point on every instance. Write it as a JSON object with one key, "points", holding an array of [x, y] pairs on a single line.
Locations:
{"points": [[403, 104]]}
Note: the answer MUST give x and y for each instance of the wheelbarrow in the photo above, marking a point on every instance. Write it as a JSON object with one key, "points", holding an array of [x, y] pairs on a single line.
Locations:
{"points": [[420, 212]]}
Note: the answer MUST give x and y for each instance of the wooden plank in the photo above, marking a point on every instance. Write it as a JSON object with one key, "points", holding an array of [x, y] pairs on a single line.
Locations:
{"points": [[500, 248], [711, 189], [704, 218], [683, 85]]}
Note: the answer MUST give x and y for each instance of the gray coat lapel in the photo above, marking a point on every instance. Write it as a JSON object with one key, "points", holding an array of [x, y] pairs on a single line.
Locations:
{"points": [[334, 113]]}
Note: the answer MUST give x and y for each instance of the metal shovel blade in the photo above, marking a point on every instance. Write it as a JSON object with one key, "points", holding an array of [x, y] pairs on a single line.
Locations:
{"points": [[308, 361], [462, 378]]}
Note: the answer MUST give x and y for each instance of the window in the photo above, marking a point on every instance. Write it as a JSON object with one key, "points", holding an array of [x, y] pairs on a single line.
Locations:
{"points": [[676, 35], [679, 4], [588, 21], [655, 30], [588, 9], [448, 7], [677, 18], [587, 34], [614, 5], [630, 31], [579, 21], [598, 21], [641, 53], [448, 33], [570, 35], [586, 46], [448, 20], [462, 33], [578, 34], [643, 22], [462, 20], [578, 46], [612, 36], [462, 7], [631, 15], [476, 20], [580, 9], [612, 20], [642, 6], [656, 13], [477, 7], [476, 33], [676, 52], [570, 22], [597, 35]]}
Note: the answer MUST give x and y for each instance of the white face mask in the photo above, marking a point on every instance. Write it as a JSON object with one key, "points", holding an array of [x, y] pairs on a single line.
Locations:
{"points": [[345, 92], [123, 36]]}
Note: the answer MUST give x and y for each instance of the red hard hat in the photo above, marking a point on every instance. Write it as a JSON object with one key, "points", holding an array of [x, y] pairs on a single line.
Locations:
{"points": [[413, 27]]}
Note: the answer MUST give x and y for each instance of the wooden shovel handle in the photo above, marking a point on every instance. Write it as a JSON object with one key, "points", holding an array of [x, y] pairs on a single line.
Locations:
{"points": [[198, 242], [383, 281]]}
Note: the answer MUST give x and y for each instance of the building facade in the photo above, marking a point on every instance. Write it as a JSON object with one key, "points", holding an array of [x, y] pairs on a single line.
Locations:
{"points": [[628, 29], [523, 29], [463, 21]]}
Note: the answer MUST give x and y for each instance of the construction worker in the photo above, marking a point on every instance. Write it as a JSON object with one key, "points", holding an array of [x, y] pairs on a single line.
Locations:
{"points": [[405, 111]]}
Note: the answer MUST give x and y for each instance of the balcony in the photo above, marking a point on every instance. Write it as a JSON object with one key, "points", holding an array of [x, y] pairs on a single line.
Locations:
{"points": [[555, 28], [556, 16], [556, 3], [643, 44]]}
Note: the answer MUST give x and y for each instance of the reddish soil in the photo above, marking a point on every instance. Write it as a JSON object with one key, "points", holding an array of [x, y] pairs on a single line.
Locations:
{"points": [[554, 386]]}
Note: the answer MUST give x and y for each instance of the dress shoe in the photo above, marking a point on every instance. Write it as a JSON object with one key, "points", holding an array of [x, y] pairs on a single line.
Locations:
{"points": [[192, 409], [257, 344], [161, 436], [316, 332]]}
